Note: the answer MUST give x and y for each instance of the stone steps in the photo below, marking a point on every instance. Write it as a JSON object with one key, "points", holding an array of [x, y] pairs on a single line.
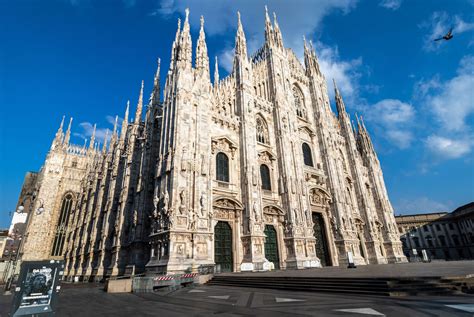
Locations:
{"points": [[366, 286]]}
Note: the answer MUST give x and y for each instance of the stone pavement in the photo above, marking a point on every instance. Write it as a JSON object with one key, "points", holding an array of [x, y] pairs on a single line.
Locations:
{"points": [[418, 269], [91, 300]]}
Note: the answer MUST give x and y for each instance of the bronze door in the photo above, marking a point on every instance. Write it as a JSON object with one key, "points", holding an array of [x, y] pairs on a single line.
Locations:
{"points": [[223, 246], [271, 246], [321, 242]]}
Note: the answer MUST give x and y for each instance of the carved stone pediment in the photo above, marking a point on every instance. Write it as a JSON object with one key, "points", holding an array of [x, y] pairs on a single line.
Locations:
{"points": [[319, 197], [227, 203], [223, 144], [273, 210], [226, 208], [308, 130], [266, 157]]}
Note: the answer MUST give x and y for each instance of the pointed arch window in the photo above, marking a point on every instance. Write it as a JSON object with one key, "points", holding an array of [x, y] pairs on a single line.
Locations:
{"points": [[265, 176], [299, 102], [307, 156], [222, 167], [262, 131], [61, 227]]}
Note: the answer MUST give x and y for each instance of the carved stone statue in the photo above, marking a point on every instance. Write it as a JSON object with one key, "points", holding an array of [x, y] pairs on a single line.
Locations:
{"points": [[135, 218], [192, 221], [166, 199], [202, 204], [156, 202], [182, 206]]}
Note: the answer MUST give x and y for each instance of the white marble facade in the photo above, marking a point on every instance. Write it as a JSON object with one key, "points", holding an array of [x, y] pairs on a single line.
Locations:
{"points": [[248, 172]]}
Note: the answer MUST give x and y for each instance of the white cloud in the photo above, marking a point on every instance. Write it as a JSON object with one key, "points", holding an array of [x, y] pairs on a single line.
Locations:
{"points": [[393, 111], [345, 73], [451, 102], [401, 138], [87, 130], [111, 120], [438, 25], [294, 22], [393, 118], [450, 105], [420, 205], [221, 16], [446, 148], [391, 4]]}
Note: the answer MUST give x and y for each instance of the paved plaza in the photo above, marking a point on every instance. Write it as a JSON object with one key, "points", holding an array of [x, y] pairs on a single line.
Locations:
{"points": [[88, 299], [91, 300], [416, 269]]}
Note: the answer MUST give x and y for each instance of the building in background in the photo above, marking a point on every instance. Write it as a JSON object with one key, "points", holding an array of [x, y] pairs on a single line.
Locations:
{"points": [[444, 236], [250, 169], [3, 243]]}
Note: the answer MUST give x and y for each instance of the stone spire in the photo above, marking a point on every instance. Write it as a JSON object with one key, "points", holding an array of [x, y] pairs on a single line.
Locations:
{"points": [[268, 28], [155, 93], [185, 44], [278, 36], [104, 147], [341, 108], [123, 132], [202, 59], [91, 144], [240, 41], [58, 138], [175, 47], [216, 73], [113, 139], [60, 133], [138, 113], [364, 140], [310, 58], [68, 133]]}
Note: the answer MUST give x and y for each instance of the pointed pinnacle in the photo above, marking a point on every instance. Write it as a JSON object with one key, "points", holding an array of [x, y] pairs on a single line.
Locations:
{"points": [[267, 18], [202, 22], [216, 73], [178, 30], [105, 140], [70, 124], [140, 98], [127, 111], [62, 124], [115, 125], [187, 16]]}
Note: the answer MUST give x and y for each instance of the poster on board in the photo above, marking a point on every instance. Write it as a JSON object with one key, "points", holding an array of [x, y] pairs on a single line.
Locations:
{"points": [[37, 288]]}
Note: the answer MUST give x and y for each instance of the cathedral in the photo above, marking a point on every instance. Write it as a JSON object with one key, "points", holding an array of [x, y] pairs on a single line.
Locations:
{"points": [[250, 172]]}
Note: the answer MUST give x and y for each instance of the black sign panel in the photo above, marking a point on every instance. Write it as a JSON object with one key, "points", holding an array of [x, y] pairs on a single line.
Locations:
{"points": [[37, 288]]}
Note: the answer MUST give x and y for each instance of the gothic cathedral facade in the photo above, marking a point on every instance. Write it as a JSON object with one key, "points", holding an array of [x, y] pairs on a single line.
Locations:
{"points": [[250, 172]]}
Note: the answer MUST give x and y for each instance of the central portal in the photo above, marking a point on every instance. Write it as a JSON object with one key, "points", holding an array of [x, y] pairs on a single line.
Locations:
{"points": [[271, 246], [223, 246], [321, 242]]}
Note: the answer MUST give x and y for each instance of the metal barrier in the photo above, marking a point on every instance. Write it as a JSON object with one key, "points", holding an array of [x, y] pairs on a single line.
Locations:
{"points": [[150, 283]]}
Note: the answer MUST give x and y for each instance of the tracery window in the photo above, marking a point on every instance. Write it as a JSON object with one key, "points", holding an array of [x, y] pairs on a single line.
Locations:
{"points": [[299, 103], [222, 167], [307, 156], [265, 176], [61, 227], [262, 131]]}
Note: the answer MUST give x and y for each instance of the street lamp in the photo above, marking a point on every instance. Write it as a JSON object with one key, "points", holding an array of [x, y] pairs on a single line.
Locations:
{"points": [[20, 210]]}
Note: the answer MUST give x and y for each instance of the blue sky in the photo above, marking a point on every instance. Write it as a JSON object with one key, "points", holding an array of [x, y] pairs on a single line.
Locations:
{"points": [[86, 58]]}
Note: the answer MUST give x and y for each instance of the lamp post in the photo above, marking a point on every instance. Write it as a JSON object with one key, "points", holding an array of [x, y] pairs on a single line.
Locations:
{"points": [[20, 210]]}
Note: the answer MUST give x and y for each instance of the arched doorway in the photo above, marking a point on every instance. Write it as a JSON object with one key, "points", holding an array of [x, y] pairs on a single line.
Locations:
{"points": [[223, 247], [321, 242], [271, 246]]}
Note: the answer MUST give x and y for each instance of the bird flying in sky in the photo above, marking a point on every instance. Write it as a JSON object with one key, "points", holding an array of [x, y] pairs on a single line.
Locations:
{"points": [[446, 37]]}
